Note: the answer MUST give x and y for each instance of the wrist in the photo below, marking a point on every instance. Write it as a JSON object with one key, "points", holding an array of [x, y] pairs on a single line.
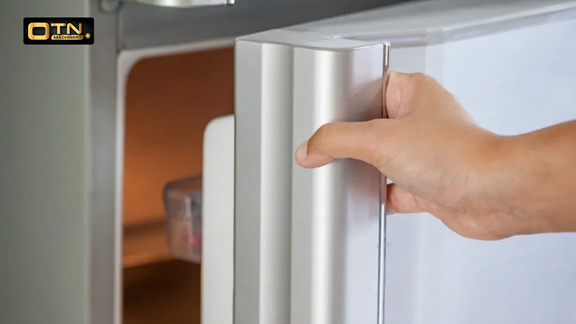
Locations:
{"points": [[510, 186]]}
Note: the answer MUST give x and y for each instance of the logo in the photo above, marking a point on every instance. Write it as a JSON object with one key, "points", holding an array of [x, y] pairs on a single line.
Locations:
{"points": [[58, 31]]}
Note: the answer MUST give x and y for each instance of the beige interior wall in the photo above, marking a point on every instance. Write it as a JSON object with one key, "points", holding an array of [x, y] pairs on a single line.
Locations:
{"points": [[169, 102]]}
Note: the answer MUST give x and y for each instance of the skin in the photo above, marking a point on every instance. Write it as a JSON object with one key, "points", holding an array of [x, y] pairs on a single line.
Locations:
{"points": [[481, 185]]}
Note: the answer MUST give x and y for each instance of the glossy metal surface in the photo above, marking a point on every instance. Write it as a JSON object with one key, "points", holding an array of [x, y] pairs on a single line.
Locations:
{"points": [[383, 191], [263, 177], [45, 182], [306, 240], [335, 208], [148, 26], [184, 3], [105, 151]]}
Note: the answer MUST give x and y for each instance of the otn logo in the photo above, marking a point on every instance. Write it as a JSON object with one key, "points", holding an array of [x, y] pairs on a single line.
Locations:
{"points": [[46, 34], [59, 31]]}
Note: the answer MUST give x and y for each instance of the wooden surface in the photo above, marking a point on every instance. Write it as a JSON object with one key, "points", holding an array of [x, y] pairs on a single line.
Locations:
{"points": [[145, 243], [162, 293]]}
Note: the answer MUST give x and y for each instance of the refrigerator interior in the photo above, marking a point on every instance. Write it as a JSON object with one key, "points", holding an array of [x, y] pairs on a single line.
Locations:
{"points": [[167, 97]]}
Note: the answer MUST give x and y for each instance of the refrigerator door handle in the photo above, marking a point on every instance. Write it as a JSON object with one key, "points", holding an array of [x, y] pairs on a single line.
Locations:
{"points": [[306, 240], [383, 194], [335, 208]]}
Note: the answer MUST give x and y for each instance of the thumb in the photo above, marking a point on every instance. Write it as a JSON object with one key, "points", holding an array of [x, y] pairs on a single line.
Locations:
{"points": [[339, 140]]}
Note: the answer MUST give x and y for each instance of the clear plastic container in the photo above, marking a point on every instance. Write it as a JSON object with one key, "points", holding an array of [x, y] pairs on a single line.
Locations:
{"points": [[183, 206]]}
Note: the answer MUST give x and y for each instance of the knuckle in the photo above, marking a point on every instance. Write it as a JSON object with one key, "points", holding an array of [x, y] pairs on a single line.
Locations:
{"points": [[419, 76], [419, 80], [373, 144], [405, 87], [320, 138]]}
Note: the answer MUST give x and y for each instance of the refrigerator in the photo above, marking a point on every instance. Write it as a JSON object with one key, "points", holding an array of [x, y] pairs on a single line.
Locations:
{"points": [[288, 245], [280, 244]]}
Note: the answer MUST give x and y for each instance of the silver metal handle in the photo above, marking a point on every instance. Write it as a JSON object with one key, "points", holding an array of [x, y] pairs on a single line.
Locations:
{"points": [[383, 186], [306, 240], [183, 3], [113, 5], [335, 208]]}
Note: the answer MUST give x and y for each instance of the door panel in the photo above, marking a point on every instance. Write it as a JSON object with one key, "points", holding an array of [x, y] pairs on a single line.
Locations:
{"points": [[494, 57], [510, 83]]}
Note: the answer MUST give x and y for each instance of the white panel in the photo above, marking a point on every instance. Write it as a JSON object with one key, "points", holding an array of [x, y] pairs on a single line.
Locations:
{"points": [[442, 20], [218, 222], [511, 82]]}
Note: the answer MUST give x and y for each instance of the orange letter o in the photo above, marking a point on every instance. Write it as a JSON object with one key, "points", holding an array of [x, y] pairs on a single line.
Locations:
{"points": [[39, 25]]}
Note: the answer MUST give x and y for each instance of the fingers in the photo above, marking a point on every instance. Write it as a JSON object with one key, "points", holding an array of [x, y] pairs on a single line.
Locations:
{"points": [[401, 201], [361, 140], [357, 140], [406, 93], [394, 92]]}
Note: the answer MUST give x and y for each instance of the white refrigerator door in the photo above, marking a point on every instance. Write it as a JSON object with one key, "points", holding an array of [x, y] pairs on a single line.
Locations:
{"points": [[306, 241]]}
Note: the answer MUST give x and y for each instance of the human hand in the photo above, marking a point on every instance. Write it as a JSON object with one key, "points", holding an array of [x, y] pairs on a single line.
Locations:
{"points": [[433, 151]]}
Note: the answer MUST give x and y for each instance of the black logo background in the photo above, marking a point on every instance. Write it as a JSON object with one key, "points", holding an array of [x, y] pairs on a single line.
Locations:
{"points": [[87, 27]]}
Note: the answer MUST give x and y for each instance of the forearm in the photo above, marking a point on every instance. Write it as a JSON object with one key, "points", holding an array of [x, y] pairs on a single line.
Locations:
{"points": [[537, 179]]}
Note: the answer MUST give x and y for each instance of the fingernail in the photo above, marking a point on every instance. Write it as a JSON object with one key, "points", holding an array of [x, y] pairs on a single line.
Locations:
{"points": [[302, 151]]}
